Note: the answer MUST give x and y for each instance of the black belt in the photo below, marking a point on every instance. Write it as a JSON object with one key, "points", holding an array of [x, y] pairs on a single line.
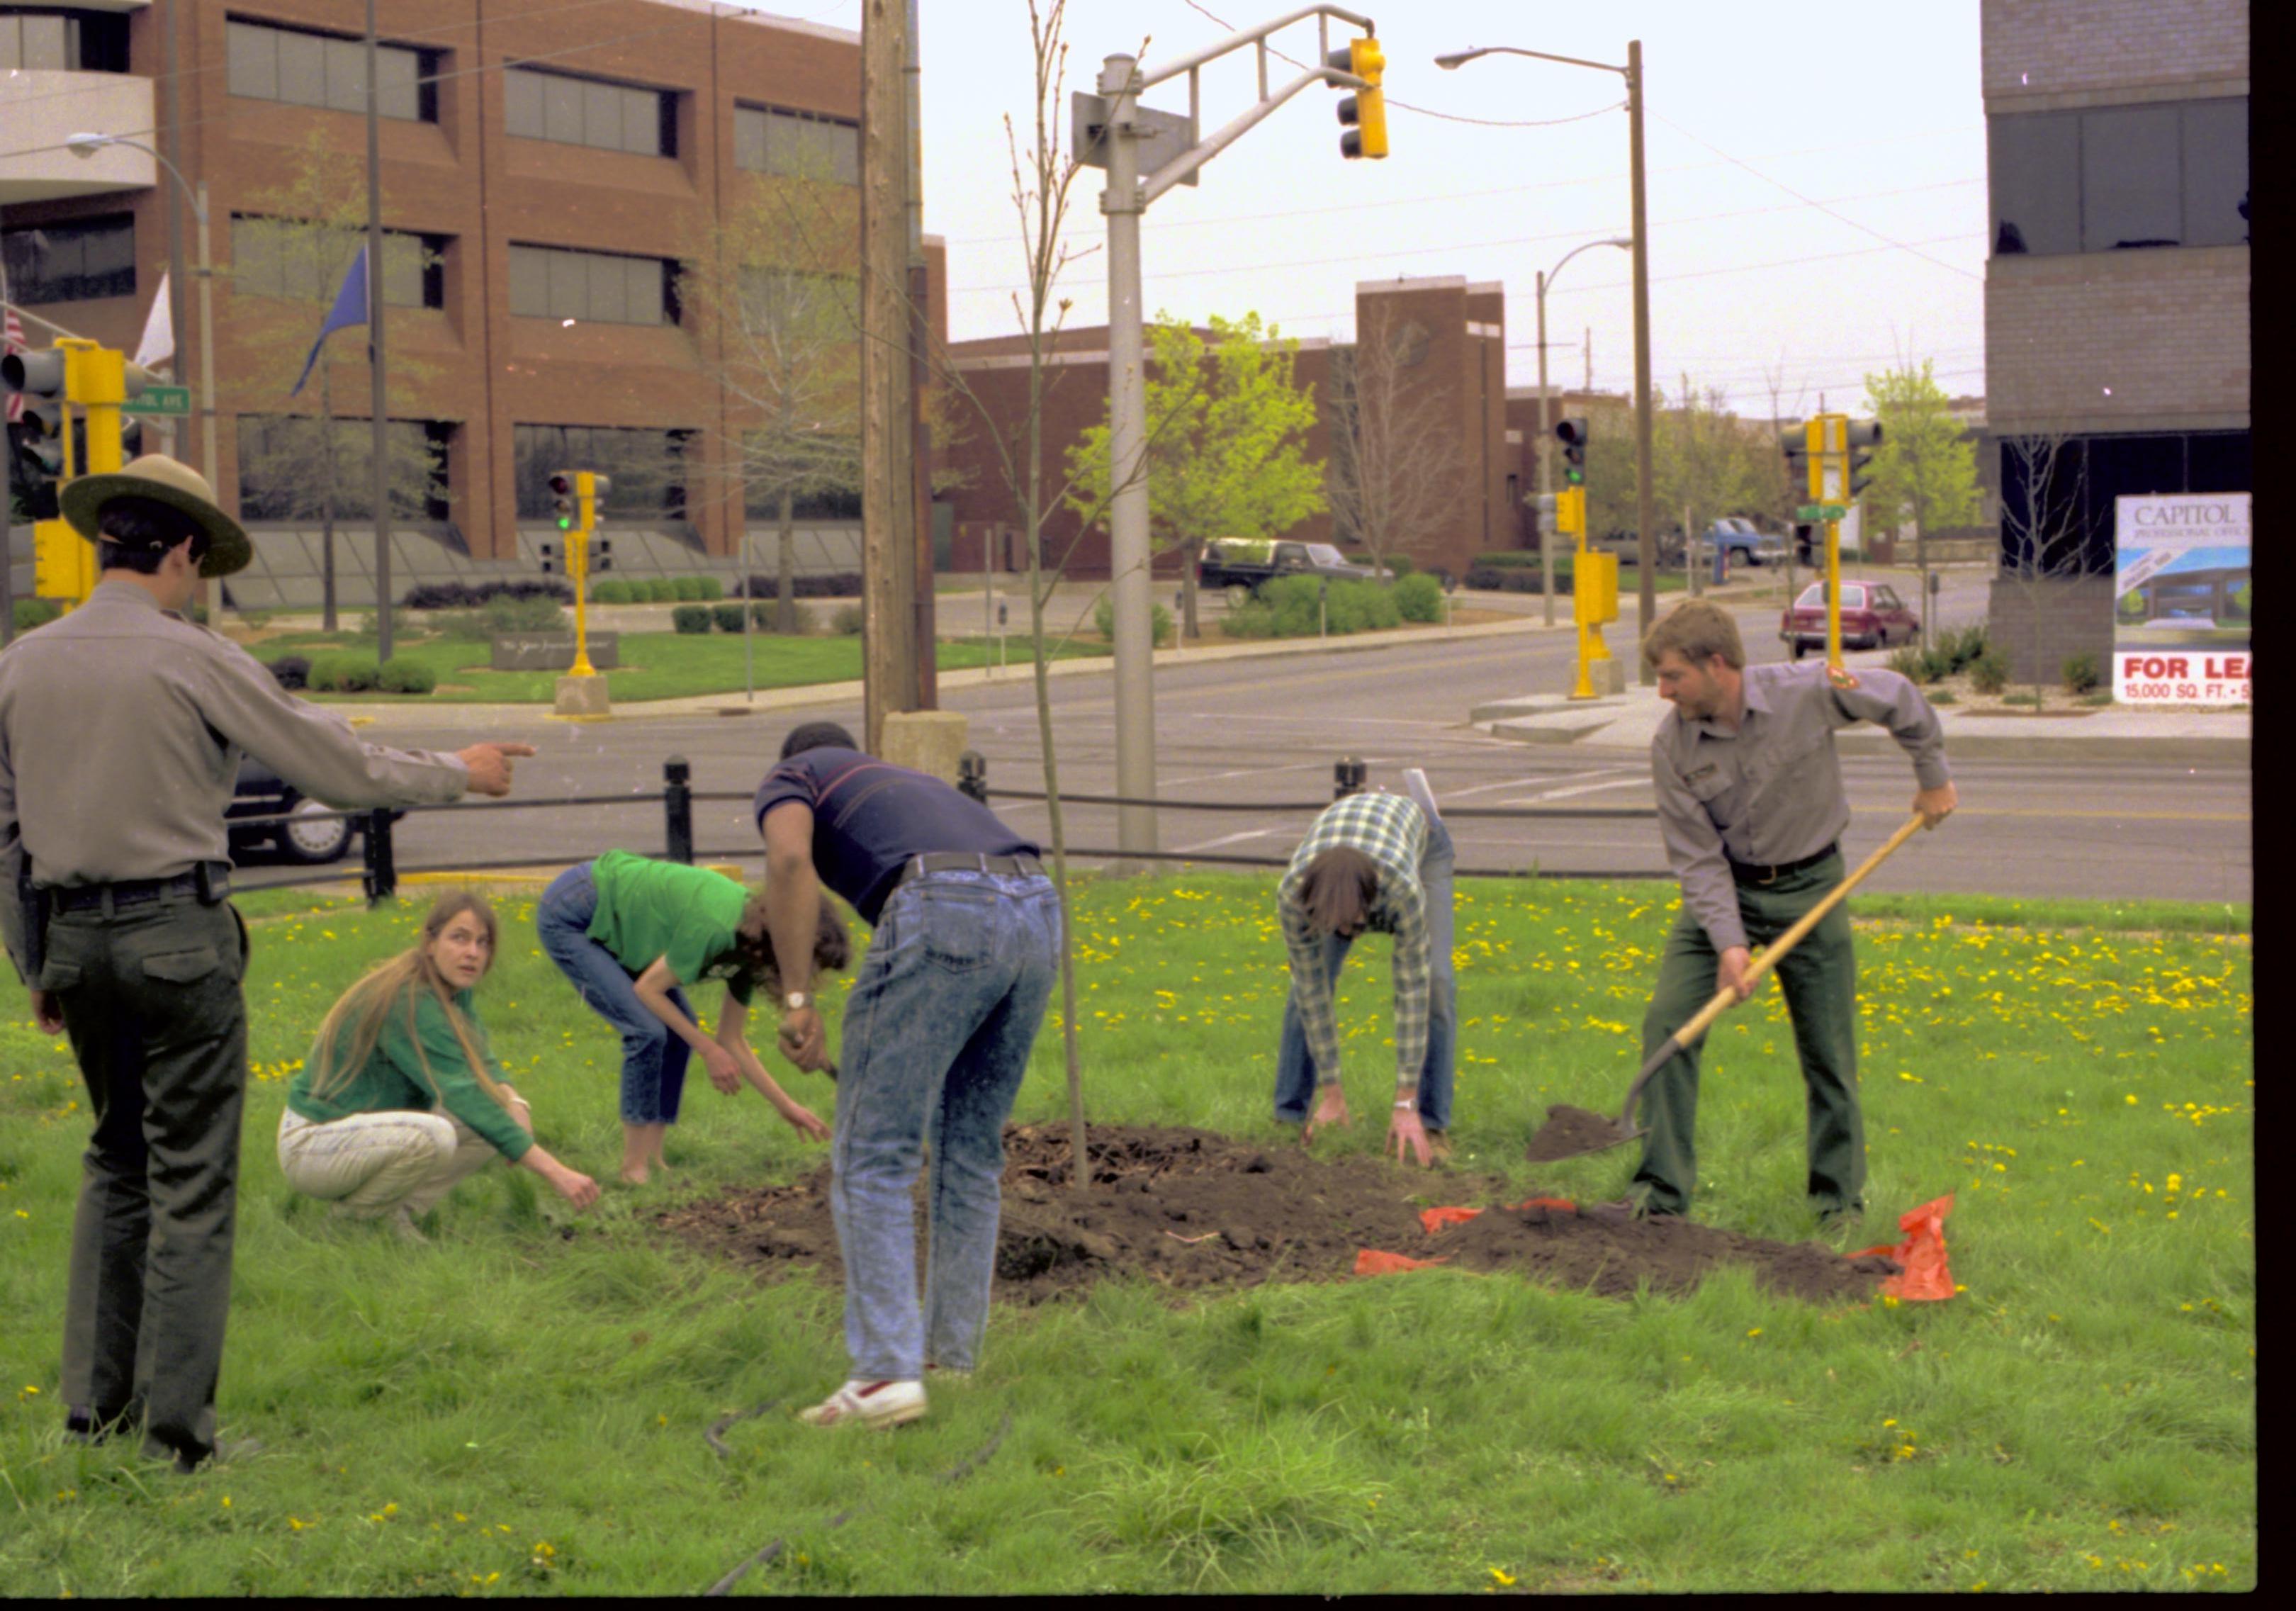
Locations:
{"points": [[968, 861], [1753, 872], [210, 882]]}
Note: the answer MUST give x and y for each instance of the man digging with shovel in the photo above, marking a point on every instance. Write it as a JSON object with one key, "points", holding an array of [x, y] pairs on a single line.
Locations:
{"points": [[1751, 809]]}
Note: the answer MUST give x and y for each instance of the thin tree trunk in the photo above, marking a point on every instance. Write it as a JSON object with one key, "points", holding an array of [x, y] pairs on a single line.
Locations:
{"points": [[786, 584], [327, 515], [1189, 553]]}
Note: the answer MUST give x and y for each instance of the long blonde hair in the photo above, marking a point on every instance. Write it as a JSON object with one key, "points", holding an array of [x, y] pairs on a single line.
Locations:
{"points": [[398, 984]]}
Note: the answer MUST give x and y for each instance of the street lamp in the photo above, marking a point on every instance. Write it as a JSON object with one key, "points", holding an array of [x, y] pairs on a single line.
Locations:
{"points": [[1545, 429], [87, 145], [1646, 549]]}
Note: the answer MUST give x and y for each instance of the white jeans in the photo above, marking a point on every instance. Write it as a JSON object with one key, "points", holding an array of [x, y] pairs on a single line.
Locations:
{"points": [[373, 1164]]}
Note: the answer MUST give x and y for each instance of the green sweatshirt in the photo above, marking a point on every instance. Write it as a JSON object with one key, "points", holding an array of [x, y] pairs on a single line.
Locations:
{"points": [[393, 1079], [685, 915]]}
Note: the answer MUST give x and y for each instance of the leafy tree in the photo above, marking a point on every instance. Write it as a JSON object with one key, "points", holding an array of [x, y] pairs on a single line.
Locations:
{"points": [[1226, 453], [1925, 469], [1702, 462]]}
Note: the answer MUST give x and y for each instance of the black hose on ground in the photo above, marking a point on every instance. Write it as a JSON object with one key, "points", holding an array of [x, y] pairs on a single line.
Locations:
{"points": [[961, 1469]]}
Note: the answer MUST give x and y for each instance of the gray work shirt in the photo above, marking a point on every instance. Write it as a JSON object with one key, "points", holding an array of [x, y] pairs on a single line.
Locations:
{"points": [[1770, 791], [121, 729]]}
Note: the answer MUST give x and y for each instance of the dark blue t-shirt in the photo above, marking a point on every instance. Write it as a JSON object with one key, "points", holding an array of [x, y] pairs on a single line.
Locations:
{"points": [[870, 817]]}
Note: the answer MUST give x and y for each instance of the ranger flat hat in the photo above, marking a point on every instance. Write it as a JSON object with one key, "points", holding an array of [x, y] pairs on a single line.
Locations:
{"points": [[163, 481]]}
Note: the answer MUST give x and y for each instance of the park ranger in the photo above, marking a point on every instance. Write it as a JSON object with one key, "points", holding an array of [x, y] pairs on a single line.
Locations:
{"points": [[121, 729], [1751, 809]]}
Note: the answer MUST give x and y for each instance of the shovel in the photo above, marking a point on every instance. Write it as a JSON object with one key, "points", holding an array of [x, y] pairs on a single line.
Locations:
{"points": [[1571, 1132]]}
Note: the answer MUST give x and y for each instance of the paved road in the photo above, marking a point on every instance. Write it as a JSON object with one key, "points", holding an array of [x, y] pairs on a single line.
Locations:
{"points": [[1269, 730]]}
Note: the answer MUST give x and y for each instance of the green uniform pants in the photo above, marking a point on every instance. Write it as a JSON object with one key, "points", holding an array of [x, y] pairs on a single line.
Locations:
{"points": [[1819, 977], [151, 999]]}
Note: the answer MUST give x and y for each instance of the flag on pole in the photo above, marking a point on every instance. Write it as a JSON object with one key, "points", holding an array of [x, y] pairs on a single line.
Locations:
{"points": [[15, 343], [350, 308], [158, 342]]}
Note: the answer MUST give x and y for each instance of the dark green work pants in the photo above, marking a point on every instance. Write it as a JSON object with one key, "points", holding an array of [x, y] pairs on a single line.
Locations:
{"points": [[1819, 977], [151, 999]]}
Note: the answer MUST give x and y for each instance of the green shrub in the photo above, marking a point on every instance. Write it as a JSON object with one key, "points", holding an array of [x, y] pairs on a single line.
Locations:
{"points": [[2131, 607], [2080, 672], [711, 589], [729, 618], [1254, 619], [846, 621], [688, 588], [400, 675], [1988, 673], [1159, 621], [690, 619], [1963, 648], [661, 591], [344, 674], [1290, 607], [1944, 697], [36, 612], [611, 593], [501, 614], [1419, 597], [1507, 559], [1400, 565], [1912, 662], [764, 610]]}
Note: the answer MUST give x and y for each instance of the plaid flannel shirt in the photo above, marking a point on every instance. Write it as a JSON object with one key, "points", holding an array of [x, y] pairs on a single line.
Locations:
{"points": [[1392, 831]]}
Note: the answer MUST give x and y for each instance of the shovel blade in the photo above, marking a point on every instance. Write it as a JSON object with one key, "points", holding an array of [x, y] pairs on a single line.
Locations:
{"points": [[1573, 1132]]}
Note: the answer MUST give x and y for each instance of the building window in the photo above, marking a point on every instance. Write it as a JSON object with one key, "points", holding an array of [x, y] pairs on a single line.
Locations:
{"points": [[283, 468], [553, 283], [2110, 178], [77, 261], [589, 111], [285, 258], [270, 63], [2057, 511], [803, 144], [63, 41], [648, 468]]}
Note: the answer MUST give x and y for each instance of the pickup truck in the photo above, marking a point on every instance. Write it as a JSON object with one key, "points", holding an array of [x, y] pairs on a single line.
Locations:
{"points": [[1240, 565], [1736, 535]]}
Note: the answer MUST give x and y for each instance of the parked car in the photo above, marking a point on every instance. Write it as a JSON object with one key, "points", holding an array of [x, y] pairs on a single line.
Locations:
{"points": [[1746, 545], [1240, 565], [1627, 546], [308, 834], [1872, 617]]}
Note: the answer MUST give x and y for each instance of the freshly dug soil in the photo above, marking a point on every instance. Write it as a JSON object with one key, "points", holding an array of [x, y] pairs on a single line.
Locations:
{"points": [[1571, 1131], [1191, 1209]]}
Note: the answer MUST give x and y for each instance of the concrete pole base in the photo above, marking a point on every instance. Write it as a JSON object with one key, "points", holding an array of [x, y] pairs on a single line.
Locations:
{"points": [[924, 741], [583, 696]]}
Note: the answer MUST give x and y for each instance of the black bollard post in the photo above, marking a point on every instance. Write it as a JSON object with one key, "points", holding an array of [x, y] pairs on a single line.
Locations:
{"points": [[973, 776], [1347, 777], [380, 876], [677, 808]]}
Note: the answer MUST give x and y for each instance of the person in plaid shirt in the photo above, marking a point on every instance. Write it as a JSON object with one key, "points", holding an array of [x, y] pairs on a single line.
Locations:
{"points": [[1377, 862]]}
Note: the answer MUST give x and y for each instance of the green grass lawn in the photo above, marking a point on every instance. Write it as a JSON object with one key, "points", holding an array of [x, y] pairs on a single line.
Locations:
{"points": [[655, 665], [519, 1406]]}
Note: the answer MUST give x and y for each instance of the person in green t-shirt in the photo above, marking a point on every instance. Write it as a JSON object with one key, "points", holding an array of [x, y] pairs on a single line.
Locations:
{"points": [[398, 1099], [630, 932]]}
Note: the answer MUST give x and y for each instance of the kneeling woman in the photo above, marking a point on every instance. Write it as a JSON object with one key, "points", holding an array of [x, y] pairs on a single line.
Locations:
{"points": [[629, 931], [398, 1100]]}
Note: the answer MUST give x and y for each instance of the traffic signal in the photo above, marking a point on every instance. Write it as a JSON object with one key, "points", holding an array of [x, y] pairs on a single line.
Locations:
{"points": [[39, 439], [550, 562], [561, 493], [1547, 505], [1805, 537], [1866, 434], [602, 555], [1572, 434], [1363, 114]]}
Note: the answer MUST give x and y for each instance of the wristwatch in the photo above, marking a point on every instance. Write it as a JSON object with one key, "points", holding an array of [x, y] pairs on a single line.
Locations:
{"points": [[795, 999]]}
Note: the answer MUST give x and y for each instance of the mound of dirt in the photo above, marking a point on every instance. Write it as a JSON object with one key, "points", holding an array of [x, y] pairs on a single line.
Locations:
{"points": [[1192, 1210], [1571, 1132]]}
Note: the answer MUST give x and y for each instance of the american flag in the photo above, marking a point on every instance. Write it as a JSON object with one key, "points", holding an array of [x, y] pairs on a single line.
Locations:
{"points": [[15, 344]]}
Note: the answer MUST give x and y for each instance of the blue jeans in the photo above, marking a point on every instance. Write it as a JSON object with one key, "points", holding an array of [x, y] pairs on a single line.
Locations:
{"points": [[653, 1059], [937, 1036], [1295, 1070]]}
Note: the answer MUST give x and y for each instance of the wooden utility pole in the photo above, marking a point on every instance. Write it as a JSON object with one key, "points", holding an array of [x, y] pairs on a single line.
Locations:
{"points": [[923, 635], [888, 537]]}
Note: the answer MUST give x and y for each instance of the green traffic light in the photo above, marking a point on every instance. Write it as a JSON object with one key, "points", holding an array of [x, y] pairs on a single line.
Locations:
{"points": [[1575, 476]]}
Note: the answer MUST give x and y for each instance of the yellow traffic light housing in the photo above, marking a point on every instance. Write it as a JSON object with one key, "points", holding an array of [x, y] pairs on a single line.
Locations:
{"points": [[1363, 114]]}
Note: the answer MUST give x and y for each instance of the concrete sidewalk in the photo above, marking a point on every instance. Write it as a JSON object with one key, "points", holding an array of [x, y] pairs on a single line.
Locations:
{"points": [[1626, 722]]}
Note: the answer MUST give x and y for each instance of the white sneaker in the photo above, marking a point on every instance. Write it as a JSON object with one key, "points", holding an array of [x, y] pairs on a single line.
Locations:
{"points": [[869, 1404]]}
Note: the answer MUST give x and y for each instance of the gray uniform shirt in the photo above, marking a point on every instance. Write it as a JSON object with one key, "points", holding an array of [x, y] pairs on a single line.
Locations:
{"points": [[1771, 790], [121, 729]]}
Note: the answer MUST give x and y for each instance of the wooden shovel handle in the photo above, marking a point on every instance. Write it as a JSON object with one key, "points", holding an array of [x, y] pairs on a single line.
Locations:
{"points": [[1727, 998]]}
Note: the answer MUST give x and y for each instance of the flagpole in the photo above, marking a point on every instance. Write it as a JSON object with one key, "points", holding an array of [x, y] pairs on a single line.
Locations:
{"points": [[374, 300]]}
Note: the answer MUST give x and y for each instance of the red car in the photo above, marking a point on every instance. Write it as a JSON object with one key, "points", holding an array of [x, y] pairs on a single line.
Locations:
{"points": [[1872, 617]]}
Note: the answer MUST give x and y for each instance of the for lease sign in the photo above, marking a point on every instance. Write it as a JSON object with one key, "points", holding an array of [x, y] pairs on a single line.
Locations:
{"points": [[2184, 598]]}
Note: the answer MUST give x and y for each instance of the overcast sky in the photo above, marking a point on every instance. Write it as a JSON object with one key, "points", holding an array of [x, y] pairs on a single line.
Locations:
{"points": [[1756, 116]]}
